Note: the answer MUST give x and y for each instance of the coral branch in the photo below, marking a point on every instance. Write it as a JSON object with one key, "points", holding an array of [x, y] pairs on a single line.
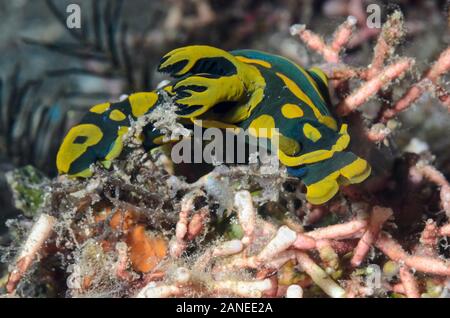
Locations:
{"points": [[445, 230], [319, 276], [40, 232], [395, 252], [228, 248], [378, 216], [339, 231], [304, 242], [294, 291], [246, 214], [390, 35], [433, 175], [184, 231], [343, 34], [429, 237], [330, 52], [315, 43], [164, 291], [328, 255], [409, 283], [284, 238], [377, 132], [440, 67], [374, 85], [254, 289], [281, 259]]}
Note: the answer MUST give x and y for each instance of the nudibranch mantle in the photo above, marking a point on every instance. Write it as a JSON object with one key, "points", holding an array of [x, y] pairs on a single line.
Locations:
{"points": [[244, 89]]}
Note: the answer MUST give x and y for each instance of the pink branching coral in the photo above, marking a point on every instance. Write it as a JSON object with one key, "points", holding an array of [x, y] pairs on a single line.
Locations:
{"points": [[376, 76]]}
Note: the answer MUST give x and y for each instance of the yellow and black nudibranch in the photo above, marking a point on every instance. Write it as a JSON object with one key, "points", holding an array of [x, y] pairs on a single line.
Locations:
{"points": [[244, 89]]}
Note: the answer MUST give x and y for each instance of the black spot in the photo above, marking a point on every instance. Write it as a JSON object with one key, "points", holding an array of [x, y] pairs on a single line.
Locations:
{"points": [[80, 140]]}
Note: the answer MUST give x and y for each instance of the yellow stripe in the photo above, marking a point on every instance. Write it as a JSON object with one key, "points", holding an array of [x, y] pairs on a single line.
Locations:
{"points": [[254, 61], [118, 144], [319, 73], [293, 87], [308, 77]]}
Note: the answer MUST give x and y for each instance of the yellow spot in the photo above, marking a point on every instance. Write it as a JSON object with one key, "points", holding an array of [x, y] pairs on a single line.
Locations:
{"points": [[100, 108], [142, 102], [254, 61], [262, 127], [118, 144], [69, 151], [311, 132], [291, 111], [117, 115]]}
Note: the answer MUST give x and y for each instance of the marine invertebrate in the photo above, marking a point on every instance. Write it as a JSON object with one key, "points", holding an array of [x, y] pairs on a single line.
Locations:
{"points": [[252, 86]]}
